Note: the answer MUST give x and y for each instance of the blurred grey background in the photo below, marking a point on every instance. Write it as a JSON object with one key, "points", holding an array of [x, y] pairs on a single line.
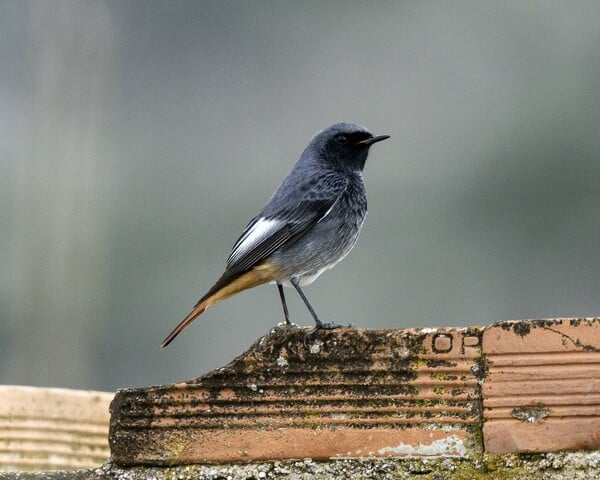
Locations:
{"points": [[137, 138]]}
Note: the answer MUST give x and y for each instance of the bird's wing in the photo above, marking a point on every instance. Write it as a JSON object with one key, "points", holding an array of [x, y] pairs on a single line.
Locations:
{"points": [[292, 211], [283, 222]]}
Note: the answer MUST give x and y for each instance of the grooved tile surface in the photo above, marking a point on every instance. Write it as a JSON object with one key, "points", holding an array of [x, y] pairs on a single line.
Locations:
{"points": [[52, 428], [542, 388], [344, 392]]}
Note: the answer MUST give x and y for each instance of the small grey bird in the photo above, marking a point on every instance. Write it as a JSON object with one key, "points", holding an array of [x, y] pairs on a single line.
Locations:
{"points": [[308, 225]]}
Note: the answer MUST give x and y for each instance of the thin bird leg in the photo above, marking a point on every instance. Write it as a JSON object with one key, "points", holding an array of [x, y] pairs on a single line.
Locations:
{"points": [[287, 323], [318, 323], [284, 305]]}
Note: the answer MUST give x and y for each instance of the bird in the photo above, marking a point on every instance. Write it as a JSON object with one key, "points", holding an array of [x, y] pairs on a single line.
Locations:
{"points": [[309, 224]]}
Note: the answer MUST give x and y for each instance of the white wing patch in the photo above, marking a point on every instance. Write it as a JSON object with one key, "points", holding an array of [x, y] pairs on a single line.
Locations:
{"points": [[256, 233]]}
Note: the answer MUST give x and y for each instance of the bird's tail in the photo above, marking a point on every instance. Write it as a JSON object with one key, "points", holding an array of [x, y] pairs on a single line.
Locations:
{"points": [[196, 312], [225, 287]]}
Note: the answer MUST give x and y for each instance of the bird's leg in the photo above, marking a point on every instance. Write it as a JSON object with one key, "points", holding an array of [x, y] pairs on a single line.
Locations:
{"points": [[286, 314], [284, 305], [318, 323]]}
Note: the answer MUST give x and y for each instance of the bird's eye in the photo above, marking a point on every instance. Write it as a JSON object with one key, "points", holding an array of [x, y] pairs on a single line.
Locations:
{"points": [[341, 139]]}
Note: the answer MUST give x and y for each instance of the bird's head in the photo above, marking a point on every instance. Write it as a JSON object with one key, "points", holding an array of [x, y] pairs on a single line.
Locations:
{"points": [[344, 145]]}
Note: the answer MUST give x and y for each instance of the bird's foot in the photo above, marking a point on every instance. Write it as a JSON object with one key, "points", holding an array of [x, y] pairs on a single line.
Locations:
{"points": [[329, 326], [322, 326], [283, 326]]}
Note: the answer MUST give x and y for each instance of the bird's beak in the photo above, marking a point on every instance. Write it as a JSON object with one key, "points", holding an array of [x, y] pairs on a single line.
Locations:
{"points": [[372, 140]]}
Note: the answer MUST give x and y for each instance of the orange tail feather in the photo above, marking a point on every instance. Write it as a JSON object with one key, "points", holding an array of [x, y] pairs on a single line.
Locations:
{"points": [[196, 312], [224, 288]]}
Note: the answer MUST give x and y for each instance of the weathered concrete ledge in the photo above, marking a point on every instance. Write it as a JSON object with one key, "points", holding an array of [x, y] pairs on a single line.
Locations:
{"points": [[513, 387], [506, 401]]}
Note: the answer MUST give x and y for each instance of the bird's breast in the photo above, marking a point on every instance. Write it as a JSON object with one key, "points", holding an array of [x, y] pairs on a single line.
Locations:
{"points": [[328, 241]]}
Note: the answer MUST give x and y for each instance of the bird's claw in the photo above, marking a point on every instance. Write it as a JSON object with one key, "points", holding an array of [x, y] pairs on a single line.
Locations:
{"points": [[282, 326], [322, 326]]}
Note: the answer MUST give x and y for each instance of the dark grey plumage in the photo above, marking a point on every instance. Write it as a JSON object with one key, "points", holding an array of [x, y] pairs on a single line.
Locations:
{"points": [[308, 225]]}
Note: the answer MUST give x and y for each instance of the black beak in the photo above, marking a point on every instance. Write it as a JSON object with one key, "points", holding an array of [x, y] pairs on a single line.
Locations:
{"points": [[372, 140]]}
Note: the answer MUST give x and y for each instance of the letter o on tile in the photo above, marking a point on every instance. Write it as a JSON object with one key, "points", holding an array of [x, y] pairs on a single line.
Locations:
{"points": [[442, 343]]}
